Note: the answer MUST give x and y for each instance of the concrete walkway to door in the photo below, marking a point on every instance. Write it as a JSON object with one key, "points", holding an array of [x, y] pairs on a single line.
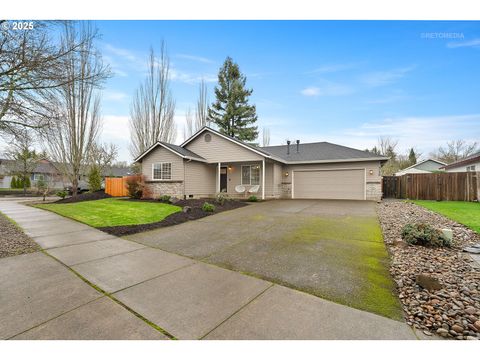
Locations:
{"points": [[90, 285]]}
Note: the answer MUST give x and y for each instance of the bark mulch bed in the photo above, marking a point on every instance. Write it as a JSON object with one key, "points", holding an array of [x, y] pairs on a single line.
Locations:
{"points": [[13, 241], [195, 212], [97, 195], [453, 311]]}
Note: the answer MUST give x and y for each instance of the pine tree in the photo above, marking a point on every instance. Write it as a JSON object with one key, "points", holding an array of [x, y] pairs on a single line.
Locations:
{"points": [[13, 182], [412, 157], [231, 111]]}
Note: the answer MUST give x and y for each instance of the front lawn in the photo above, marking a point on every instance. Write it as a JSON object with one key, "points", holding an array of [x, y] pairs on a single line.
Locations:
{"points": [[466, 213], [113, 212]]}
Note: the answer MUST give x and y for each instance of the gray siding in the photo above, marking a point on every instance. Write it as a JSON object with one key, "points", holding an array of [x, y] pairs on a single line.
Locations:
{"points": [[161, 154], [429, 166], [220, 149], [200, 179]]}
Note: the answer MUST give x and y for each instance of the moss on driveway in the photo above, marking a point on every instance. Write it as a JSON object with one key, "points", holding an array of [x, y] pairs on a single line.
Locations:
{"points": [[330, 249], [113, 212]]}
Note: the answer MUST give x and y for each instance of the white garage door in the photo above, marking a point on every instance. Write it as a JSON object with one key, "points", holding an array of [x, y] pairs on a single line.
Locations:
{"points": [[329, 184]]}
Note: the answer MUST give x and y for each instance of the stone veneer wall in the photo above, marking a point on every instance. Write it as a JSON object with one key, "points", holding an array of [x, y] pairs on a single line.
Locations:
{"points": [[286, 191], [374, 190], [172, 188]]}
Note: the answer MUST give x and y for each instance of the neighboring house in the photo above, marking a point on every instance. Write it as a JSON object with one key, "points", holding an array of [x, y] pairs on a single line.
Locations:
{"points": [[470, 163], [44, 169], [422, 167], [210, 162]]}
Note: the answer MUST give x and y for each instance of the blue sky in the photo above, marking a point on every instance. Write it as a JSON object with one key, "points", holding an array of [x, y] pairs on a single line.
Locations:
{"points": [[346, 82]]}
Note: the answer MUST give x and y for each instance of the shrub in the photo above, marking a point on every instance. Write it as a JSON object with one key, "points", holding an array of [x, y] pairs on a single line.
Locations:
{"points": [[13, 183], [62, 194], [94, 178], [208, 207], [252, 198], [165, 198], [221, 197], [425, 235], [135, 186]]}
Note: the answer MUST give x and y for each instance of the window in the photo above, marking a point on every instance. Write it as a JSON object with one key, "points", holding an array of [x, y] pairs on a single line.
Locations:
{"points": [[37, 177], [250, 175], [471, 168], [162, 171]]}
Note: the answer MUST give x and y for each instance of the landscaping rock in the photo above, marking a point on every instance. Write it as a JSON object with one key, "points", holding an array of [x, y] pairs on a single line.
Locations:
{"points": [[452, 311], [428, 282], [186, 209]]}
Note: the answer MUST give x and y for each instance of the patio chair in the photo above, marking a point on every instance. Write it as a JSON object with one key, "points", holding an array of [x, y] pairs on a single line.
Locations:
{"points": [[254, 189], [240, 189]]}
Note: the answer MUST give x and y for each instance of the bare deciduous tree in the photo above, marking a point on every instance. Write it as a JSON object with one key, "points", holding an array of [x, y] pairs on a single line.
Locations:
{"points": [[201, 114], [455, 150], [103, 156], [31, 70], [153, 108], [387, 145], [188, 129], [77, 121], [265, 137]]}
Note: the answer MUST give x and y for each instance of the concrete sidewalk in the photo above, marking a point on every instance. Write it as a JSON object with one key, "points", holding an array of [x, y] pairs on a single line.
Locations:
{"points": [[147, 293]]}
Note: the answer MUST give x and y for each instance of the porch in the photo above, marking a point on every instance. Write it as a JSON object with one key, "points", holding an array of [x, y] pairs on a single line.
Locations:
{"points": [[251, 175]]}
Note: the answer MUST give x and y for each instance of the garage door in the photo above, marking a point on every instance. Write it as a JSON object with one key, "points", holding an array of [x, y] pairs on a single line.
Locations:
{"points": [[329, 184]]}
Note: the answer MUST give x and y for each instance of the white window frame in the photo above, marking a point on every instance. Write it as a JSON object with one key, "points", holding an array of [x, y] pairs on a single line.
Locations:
{"points": [[250, 177], [471, 168], [161, 171], [37, 177]]}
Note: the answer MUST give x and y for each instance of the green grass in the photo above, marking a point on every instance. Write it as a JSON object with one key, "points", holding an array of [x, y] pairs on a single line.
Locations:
{"points": [[466, 213], [113, 212]]}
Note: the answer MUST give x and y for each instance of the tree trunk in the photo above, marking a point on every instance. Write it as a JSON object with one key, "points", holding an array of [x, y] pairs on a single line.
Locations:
{"points": [[74, 187]]}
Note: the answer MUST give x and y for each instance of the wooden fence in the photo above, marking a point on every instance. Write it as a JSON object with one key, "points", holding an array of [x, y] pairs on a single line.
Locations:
{"points": [[461, 186], [116, 186]]}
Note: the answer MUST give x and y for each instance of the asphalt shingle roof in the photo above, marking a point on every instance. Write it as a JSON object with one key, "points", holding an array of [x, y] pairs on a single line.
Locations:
{"points": [[319, 151], [182, 151]]}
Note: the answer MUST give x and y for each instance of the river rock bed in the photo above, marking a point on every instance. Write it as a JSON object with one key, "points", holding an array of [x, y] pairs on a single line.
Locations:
{"points": [[452, 311]]}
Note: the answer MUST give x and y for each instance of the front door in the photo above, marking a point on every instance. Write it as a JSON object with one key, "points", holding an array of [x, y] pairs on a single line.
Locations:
{"points": [[223, 179]]}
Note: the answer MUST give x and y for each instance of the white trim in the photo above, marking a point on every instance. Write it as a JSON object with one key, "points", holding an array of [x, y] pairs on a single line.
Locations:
{"points": [[263, 179], [218, 177], [173, 151], [161, 171], [339, 169], [235, 141]]}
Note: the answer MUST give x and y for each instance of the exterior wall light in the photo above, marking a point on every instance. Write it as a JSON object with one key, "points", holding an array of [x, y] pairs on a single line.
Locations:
{"points": [[286, 174], [370, 172]]}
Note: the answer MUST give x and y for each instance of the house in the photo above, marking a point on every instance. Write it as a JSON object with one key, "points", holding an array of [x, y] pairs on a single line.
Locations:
{"points": [[210, 162], [44, 169], [423, 167], [470, 163]]}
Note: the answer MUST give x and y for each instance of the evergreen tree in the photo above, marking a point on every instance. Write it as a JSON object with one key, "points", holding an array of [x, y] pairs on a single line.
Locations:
{"points": [[94, 178], [231, 111], [13, 182], [412, 157]]}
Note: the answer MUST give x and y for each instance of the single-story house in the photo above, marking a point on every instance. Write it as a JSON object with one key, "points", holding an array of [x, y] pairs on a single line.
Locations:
{"points": [[210, 162], [423, 167], [470, 163], [44, 169]]}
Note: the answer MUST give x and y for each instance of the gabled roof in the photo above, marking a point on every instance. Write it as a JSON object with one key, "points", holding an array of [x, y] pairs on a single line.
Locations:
{"points": [[424, 161], [468, 160], [229, 138], [320, 152], [178, 150]]}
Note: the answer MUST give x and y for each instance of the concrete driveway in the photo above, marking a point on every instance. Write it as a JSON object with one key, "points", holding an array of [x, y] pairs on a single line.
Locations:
{"points": [[86, 284], [331, 249]]}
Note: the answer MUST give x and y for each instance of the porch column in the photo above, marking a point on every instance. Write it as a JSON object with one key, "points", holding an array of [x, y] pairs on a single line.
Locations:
{"points": [[218, 177], [263, 179]]}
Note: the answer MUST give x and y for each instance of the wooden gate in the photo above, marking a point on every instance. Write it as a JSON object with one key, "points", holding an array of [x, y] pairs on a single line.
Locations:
{"points": [[116, 186], [390, 186]]}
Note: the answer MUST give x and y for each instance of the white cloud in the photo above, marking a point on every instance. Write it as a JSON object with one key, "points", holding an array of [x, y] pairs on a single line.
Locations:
{"points": [[190, 78], [114, 95], [381, 78], [328, 88], [424, 133], [470, 43], [195, 58], [332, 68]]}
